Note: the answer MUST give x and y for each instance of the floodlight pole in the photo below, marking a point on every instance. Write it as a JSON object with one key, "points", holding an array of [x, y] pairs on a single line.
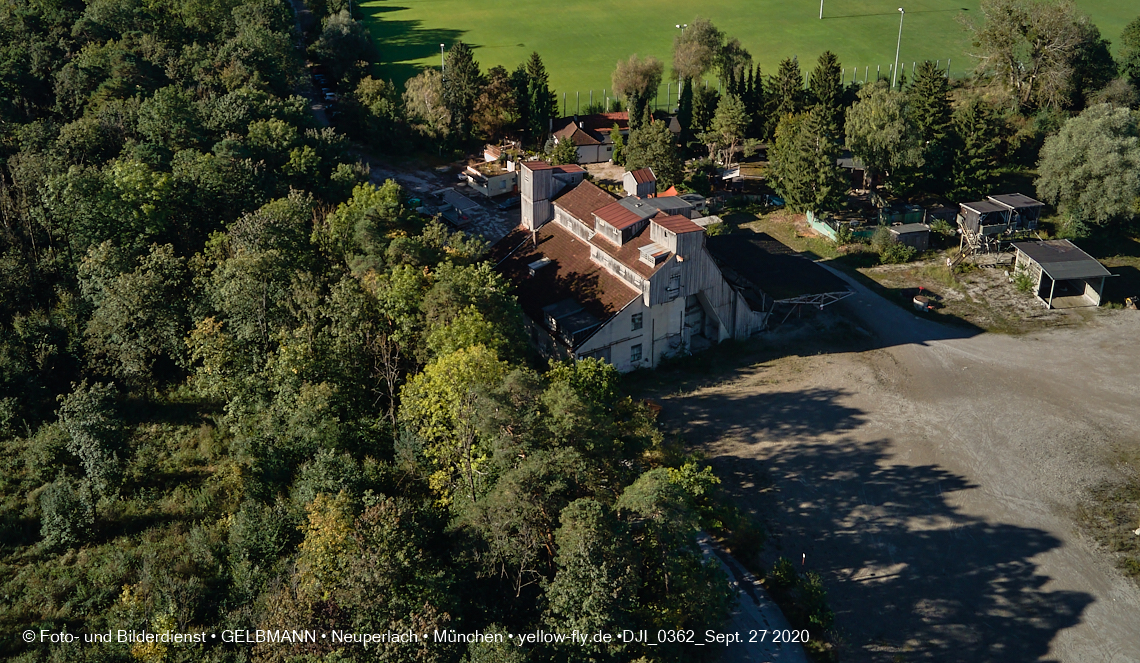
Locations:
{"points": [[895, 71], [821, 10], [441, 59], [681, 27]]}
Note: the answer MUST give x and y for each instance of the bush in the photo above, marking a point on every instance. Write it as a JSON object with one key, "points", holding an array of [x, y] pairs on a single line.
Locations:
{"points": [[896, 254], [714, 229], [783, 575], [67, 515], [942, 227], [1022, 280], [811, 599]]}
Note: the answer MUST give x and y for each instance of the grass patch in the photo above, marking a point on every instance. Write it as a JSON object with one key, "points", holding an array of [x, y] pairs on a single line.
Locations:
{"points": [[581, 42]]}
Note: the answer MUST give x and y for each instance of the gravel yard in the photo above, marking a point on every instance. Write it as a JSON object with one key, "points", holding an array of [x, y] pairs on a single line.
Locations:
{"points": [[935, 477]]}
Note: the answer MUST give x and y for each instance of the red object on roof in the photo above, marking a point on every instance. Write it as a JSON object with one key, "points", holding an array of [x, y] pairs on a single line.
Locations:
{"points": [[671, 191], [643, 175], [619, 216], [677, 224]]}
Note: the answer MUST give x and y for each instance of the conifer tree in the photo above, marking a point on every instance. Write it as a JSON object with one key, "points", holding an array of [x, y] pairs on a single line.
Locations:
{"points": [[825, 90], [462, 83], [540, 99], [928, 101], [787, 89]]}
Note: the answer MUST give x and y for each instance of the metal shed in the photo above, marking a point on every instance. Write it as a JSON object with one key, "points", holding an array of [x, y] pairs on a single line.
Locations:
{"points": [[914, 235], [1063, 275]]}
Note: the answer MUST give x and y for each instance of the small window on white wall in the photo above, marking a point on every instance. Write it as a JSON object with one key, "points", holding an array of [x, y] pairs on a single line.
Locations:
{"points": [[635, 320], [635, 353]]}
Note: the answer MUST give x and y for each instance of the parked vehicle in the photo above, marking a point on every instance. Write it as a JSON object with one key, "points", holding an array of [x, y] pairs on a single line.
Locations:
{"points": [[510, 203]]}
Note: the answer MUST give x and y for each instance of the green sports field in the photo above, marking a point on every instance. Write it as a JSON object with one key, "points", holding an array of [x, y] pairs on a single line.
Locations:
{"points": [[581, 40]]}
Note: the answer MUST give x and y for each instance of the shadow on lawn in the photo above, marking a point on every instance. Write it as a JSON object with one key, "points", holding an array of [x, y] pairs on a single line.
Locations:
{"points": [[402, 43], [907, 573]]}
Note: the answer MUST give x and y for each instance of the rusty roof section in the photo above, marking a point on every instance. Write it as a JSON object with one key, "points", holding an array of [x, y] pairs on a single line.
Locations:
{"points": [[583, 200], [643, 175], [537, 165], [629, 254], [570, 275], [678, 224], [569, 168]]}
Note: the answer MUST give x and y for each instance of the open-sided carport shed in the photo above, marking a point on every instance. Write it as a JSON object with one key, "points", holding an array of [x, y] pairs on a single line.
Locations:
{"points": [[1063, 275], [772, 276]]}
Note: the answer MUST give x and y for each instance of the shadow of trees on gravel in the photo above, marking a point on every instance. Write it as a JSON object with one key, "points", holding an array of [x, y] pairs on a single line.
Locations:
{"points": [[910, 577]]}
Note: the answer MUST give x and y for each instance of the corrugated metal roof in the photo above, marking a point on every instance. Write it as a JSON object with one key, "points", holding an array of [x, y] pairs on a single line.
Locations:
{"points": [[908, 228], [1015, 201], [677, 224], [643, 175], [1062, 260], [537, 165], [620, 216], [984, 206]]}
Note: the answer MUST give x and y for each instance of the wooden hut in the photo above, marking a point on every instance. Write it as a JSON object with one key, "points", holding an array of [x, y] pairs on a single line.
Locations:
{"points": [[1063, 275]]}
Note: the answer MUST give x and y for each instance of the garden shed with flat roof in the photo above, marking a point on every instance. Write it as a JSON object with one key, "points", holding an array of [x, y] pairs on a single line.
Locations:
{"points": [[1063, 275]]}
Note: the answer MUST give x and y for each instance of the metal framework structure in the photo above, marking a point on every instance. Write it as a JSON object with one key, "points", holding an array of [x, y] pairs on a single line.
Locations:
{"points": [[820, 301]]}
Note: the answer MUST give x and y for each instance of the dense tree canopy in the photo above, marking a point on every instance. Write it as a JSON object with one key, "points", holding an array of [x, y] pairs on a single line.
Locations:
{"points": [[1091, 169], [881, 133]]}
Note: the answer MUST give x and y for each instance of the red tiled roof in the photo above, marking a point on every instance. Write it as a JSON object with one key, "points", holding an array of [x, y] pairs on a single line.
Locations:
{"points": [[606, 121], [583, 200], [575, 135], [619, 216], [643, 175], [571, 274], [677, 224], [629, 254]]}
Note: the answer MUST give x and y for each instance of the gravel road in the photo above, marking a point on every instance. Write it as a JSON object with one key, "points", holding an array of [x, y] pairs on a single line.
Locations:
{"points": [[933, 480]]}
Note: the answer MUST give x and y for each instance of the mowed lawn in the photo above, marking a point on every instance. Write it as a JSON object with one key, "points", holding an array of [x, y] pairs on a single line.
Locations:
{"points": [[581, 40]]}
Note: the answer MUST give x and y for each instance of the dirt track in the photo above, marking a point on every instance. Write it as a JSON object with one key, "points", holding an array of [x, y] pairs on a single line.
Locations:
{"points": [[933, 482]]}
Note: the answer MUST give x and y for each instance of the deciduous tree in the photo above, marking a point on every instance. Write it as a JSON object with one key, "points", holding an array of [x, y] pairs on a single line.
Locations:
{"points": [[1091, 169], [636, 80], [653, 146], [881, 134]]}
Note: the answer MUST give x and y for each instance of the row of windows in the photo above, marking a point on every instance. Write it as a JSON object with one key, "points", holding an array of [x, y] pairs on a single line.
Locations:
{"points": [[620, 270]]}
